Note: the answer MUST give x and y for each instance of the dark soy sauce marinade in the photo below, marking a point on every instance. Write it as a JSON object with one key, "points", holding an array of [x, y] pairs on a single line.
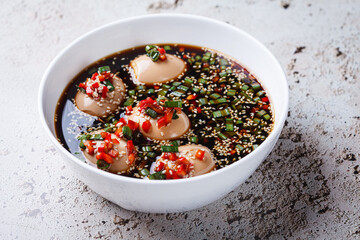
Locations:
{"points": [[230, 113]]}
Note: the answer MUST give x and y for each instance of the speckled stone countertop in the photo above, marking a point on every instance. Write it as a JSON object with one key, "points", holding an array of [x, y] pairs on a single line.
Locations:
{"points": [[307, 188]]}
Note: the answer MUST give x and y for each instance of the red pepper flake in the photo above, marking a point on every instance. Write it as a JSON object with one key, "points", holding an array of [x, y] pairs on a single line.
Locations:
{"points": [[101, 78], [93, 77], [218, 90], [82, 85], [102, 147], [161, 50], [254, 110], [106, 157], [129, 110], [115, 141], [265, 99], [118, 131], [95, 85], [232, 152], [146, 126], [198, 110], [104, 134], [181, 49], [131, 151], [104, 91], [200, 154], [181, 171], [89, 145], [172, 156], [121, 122], [161, 122], [113, 153], [165, 155], [133, 125], [191, 97], [162, 57], [265, 107], [156, 87], [159, 167]]}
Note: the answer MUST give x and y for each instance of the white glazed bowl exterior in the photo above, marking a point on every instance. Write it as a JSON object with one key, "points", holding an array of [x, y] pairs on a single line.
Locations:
{"points": [[171, 195]]}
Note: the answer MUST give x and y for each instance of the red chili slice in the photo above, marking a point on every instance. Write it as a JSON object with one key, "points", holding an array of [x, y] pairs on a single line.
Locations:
{"points": [[265, 99], [161, 50], [121, 122], [106, 157], [162, 57], [113, 153], [82, 85], [131, 151], [101, 148], [172, 156], [101, 78], [191, 97], [181, 171], [118, 131], [129, 110], [104, 134], [93, 77], [95, 85], [89, 145], [159, 167], [161, 122], [104, 92], [146, 126], [200, 154], [133, 125]]}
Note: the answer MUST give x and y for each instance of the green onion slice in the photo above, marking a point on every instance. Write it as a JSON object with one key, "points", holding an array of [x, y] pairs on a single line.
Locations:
{"points": [[103, 69], [101, 164], [157, 176], [109, 85], [169, 149], [127, 132], [151, 112], [177, 104]]}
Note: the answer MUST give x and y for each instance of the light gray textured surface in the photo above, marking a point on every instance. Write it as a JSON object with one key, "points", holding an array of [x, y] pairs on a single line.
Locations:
{"points": [[307, 188]]}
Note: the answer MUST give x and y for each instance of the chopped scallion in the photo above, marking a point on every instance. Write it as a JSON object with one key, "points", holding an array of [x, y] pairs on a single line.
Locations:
{"points": [[194, 139], [129, 102], [103, 69], [127, 132], [177, 104], [215, 96], [231, 92], [169, 148], [167, 48], [101, 164], [157, 176], [151, 112], [144, 172], [222, 136], [109, 85]]}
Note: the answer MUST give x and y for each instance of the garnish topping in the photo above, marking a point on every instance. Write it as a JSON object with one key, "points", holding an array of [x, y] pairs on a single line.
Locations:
{"points": [[99, 84], [155, 52]]}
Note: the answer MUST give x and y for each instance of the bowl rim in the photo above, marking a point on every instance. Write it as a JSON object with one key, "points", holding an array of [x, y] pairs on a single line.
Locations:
{"points": [[281, 117]]}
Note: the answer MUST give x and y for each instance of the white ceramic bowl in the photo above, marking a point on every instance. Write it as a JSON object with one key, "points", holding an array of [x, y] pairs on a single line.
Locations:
{"points": [[171, 195]]}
